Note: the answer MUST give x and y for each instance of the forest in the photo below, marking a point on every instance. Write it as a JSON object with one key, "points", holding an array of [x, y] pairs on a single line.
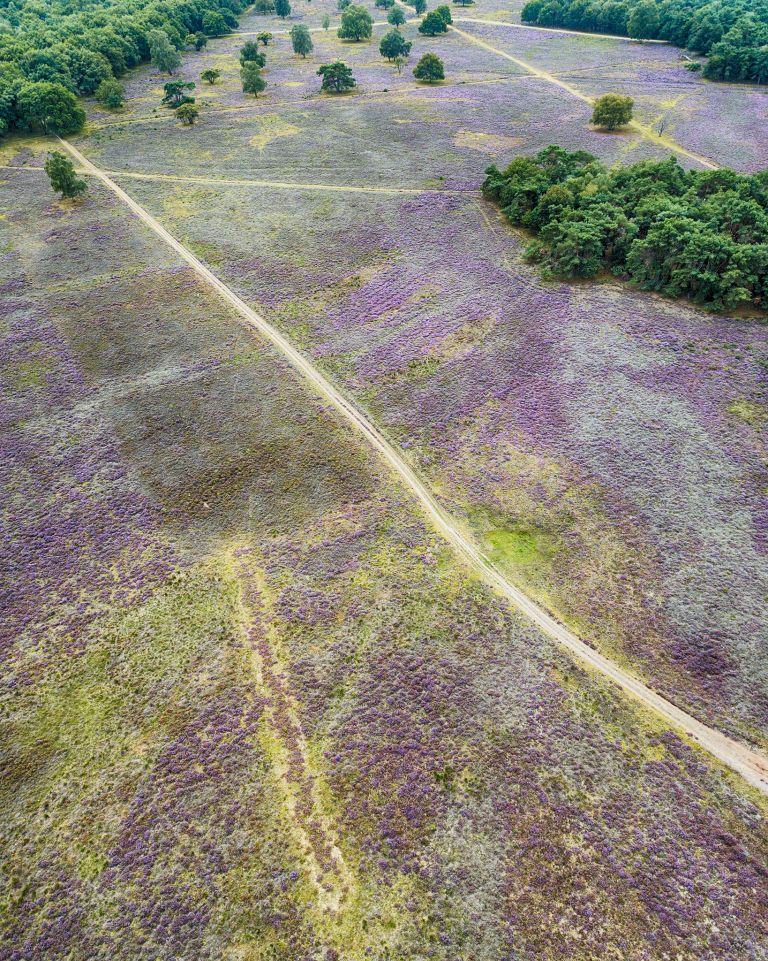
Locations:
{"points": [[733, 34], [52, 52], [682, 233]]}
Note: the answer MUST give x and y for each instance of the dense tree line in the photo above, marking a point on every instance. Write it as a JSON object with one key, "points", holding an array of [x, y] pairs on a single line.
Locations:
{"points": [[700, 235], [732, 33], [53, 50]]}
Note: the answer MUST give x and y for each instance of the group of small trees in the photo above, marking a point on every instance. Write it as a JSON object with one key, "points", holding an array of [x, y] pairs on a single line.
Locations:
{"points": [[683, 233]]}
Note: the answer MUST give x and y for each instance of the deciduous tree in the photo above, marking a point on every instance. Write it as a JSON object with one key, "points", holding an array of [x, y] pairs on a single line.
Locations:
{"points": [[429, 69], [356, 23], [394, 45], [301, 39], [62, 175], [612, 111], [251, 77], [433, 24], [165, 57], [48, 107], [337, 77], [210, 75]]}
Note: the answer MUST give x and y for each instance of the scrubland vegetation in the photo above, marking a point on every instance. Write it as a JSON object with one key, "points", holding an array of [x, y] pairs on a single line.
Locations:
{"points": [[253, 708]]}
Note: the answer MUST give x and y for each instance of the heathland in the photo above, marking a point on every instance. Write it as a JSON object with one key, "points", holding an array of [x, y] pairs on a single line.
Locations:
{"points": [[254, 706]]}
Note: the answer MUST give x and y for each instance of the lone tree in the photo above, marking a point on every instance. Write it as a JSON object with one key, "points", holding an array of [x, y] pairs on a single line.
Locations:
{"points": [[210, 75], [187, 114], [394, 45], [356, 23], [301, 39], [61, 173], [396, 17], [111, 94], [326, 21], [419, 6], [264, 6], [282, 8], [253, 82], [643, 23], [164, 56], [612, 111], [429, 69], [433, 24], [464, 3], [445, 12], [49, 107], [386, 4], [264, 38], [175, 95], [337, 77], [250, 53]]}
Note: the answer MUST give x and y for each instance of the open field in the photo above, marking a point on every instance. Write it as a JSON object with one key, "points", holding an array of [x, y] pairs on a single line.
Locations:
{"points": [[254, 707]]}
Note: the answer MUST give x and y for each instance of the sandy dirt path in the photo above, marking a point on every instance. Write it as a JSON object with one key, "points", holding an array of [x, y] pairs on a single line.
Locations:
{"points": [[750, 763], [635, 125]]}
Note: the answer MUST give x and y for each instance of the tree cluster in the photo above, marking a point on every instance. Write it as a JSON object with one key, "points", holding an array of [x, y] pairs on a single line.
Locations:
{"points": [[50, 53], [699, 235], [732, 33]]}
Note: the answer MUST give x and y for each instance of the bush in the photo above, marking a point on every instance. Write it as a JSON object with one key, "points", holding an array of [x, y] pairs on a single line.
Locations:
{"points": [[111, 94], [187, 114], [429, 69]]}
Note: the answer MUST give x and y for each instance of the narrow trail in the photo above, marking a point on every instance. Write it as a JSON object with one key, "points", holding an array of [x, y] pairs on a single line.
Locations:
{"points": [[271, 184], [568, 33], [750, 763], [289, 753], [635, 125]]}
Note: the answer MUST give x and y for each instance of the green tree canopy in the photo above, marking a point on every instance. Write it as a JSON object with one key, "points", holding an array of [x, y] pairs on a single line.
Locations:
{"points": [[301, 39], [612, 111], [214, 24], [433, 24], [356, 23], [429, 69], [250, 53], [282, 8], [165, 57], [445, 12], [210, 75], [48, 107], [394, 45], [396, 17], [643, 23], [62, 175], [252, 80], [187, 114], [175, 93], [337, 77], [111, 94]]}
